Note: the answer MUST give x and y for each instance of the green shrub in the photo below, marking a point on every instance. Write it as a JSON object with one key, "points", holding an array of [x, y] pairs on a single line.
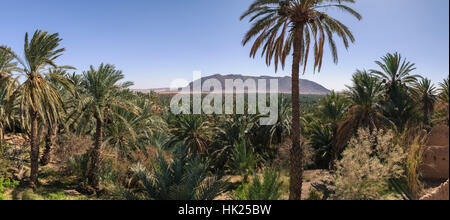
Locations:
{"points": [[78, 166], [269, 188], [6, 184], [368, 165]]}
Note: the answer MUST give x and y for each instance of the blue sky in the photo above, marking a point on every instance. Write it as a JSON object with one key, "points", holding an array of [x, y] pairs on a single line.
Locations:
{"points": [[157, 41]]}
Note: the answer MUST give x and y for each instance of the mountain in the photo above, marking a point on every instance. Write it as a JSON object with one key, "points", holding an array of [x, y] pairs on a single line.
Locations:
{"points": [[284, 83]]}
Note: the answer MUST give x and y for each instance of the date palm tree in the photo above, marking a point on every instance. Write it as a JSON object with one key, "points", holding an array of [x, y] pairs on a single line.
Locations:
{"points": [[38, 99], [7, 86], [7, 64], [366, 111], [193, 131], [444, 91], [332, 108], [59, 79], [425, 94], [7, 67], [282, 26], [6, 105], [442, 109], [73, 104], [229, 131], [127, 131], [395, 71], [100, 100], [395, 75]]}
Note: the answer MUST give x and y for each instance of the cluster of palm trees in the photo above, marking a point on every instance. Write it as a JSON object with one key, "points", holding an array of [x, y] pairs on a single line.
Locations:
{"points": [[45, 96], [43, 100], [391, 98], [233, 144], [378, 97]]}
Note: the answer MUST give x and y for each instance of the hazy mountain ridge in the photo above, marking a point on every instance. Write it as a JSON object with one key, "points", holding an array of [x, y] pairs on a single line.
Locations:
{"points": [[307, 87], [284, 83]]}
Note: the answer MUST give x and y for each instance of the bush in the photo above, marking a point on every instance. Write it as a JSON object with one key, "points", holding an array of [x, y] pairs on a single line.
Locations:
{"points": [[78, 165], [268, 189], [71, 145], [283, 155], [110, 170], [369, 163], [6, 184]]}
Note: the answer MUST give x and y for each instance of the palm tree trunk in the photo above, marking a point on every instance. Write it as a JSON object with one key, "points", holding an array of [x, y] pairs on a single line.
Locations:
{"points": [[93, 178], [34, 149], [2, 134], [428, 112], [333, 149], [296, 163], [49, 144]]}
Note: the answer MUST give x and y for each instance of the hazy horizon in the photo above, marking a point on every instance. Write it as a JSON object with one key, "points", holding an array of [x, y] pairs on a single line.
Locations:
{"points": [[155, 42]]}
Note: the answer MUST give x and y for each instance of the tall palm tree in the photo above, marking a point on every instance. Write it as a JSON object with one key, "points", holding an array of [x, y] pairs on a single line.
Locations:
{"points": [[365, 96], [38, 99], [395, 74], [425, 94], [100, 100], [58, 79], [395, 71], [282, 26]]}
